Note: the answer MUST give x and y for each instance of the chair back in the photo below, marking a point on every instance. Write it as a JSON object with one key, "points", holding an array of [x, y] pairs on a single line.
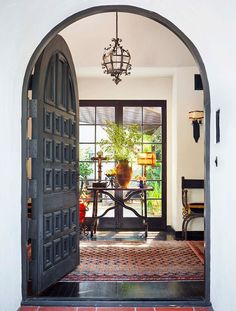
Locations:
{"points": [[192, 183], [191, 209]]}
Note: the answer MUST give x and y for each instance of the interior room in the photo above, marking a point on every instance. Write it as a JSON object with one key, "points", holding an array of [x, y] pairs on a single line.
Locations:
{"points": [[141, 237]]}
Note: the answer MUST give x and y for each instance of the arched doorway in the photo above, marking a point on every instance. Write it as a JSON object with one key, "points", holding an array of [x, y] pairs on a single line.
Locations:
{"points": [[196, 55]]}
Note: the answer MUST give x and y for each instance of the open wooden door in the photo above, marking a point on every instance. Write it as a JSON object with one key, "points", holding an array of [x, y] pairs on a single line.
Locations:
{"points": [[54, 224]]}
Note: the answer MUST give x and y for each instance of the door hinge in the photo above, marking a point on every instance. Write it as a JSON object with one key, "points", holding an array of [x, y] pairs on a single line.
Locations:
{"points": [[30, 82], [31, 145], [32, 105], [32, 188]]}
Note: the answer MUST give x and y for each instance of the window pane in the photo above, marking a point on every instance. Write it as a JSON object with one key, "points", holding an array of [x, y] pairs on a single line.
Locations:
{"points": [[157, 148], [156, 193], [100, 133], [154, 208], [105, 167], [104, 203], [87, 115], [102, 206], [148, 148], [86, 133], [152, 133], [138, 149], [154, 172], [135, 202], [137, 171], [152, 115], [104, 114], [106, 150], [132, 115], [134, 182], [86, 151], [86, 170]]}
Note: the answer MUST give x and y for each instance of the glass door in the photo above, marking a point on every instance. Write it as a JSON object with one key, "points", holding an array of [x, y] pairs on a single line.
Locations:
{"points": [[151, 118], [93, 120]]}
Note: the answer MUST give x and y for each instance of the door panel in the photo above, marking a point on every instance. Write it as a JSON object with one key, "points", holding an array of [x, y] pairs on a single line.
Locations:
{"points": [[54, 210]]}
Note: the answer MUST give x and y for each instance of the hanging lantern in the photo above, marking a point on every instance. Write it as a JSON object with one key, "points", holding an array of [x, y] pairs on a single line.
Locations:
{"points": [[116, 60]]}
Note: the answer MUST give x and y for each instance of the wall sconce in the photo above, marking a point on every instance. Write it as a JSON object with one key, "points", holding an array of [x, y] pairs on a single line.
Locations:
{"points": [[146, 158], [196, 117]]}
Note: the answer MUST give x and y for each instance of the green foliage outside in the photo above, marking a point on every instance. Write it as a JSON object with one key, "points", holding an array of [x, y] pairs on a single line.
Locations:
{"points": [[121, 143], [154, 136], [85, 168], [154, 206], [154, 173]]}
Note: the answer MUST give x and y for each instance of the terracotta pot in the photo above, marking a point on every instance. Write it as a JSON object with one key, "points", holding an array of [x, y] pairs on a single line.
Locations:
{"points": [[123, 173]]}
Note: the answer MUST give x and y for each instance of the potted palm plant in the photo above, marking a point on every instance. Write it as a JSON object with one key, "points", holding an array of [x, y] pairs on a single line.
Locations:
{"points": [[121, 145]]}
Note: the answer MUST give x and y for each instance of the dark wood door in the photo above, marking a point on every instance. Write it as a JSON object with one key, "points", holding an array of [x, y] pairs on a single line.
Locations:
{"points": [[55, 250]]}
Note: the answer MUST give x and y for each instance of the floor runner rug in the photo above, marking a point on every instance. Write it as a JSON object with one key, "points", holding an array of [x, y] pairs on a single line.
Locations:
{"points": [[136, 261]]}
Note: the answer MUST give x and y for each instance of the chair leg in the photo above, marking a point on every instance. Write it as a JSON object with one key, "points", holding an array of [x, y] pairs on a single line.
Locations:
{"points": [[183, 228], [186, 230], [186, 227]]}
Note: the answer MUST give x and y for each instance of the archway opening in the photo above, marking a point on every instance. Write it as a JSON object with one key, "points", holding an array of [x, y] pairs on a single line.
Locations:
{"points": [[194, 52]]}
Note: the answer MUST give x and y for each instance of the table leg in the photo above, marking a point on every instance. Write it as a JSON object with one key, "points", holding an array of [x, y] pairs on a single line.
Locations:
{"points": [[145, 213], [94, 213]]}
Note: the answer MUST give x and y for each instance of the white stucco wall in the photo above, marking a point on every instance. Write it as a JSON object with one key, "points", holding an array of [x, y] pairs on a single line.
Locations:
{"points": [[211, 26], [187, 155]]}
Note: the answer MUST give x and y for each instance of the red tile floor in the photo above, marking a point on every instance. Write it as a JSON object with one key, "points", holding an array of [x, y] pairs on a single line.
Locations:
{"points": [[115, 309]]}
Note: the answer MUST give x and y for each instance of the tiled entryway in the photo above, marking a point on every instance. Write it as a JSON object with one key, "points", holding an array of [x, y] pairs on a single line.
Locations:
{"points": [[145, 290], [35, 308]]}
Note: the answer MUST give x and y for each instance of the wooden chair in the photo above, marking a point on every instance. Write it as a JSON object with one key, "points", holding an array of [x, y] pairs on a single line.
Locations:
{"points": [[191, 210]]}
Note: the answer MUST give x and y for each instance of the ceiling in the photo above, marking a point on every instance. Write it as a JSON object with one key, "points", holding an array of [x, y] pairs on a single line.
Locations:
{"points": [[153, 48]]}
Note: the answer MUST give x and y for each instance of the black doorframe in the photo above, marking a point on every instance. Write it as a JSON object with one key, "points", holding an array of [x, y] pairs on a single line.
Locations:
{"points": [[154, 223], [196, 55]]}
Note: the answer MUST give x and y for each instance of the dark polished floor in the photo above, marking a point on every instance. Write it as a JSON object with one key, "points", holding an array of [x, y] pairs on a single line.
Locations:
{"points": [[121, 291], [132, 235], [184, 290]]}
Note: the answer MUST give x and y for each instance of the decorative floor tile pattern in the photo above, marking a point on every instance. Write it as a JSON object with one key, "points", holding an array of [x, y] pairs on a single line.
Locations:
{"points": [[174, 309], [117, 309], [58, 309], [29, 308], [136, 261]]}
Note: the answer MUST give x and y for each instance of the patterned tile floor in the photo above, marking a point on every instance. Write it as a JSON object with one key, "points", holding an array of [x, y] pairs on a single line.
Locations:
{"points": [[37, 308]]}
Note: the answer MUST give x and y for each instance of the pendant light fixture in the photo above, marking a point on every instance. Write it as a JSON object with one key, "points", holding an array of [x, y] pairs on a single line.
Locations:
{"points": [[115, 59]]}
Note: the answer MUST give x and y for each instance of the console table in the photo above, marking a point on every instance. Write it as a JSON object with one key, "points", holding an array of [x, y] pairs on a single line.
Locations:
{"points": [[118, 199]]}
